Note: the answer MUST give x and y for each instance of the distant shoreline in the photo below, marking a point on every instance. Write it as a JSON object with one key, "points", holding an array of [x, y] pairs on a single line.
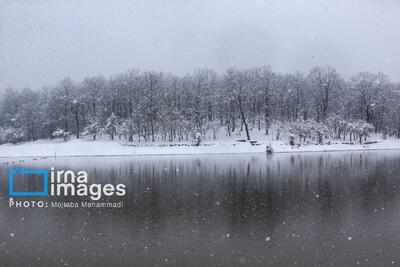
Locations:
{"points": [[85, 149]]}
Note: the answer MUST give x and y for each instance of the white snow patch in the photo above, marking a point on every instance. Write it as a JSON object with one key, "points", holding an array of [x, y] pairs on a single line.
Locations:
{"points": [[86, 147]]}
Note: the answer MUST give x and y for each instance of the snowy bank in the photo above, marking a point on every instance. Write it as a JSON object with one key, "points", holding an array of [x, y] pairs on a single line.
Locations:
{"points": [[79, 147]]}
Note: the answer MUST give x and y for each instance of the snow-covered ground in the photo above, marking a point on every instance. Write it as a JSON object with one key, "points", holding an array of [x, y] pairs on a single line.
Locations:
{"points": [[79, 147]]}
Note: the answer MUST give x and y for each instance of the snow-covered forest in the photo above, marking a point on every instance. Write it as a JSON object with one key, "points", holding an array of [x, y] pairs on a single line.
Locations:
{"points": [[155, 106]]}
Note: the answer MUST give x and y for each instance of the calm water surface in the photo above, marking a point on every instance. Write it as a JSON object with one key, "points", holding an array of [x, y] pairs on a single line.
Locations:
{"points": [[322, 209]]}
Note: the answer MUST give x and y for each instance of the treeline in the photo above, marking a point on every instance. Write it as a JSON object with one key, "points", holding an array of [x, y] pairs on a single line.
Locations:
{"points": [[151, 105]]}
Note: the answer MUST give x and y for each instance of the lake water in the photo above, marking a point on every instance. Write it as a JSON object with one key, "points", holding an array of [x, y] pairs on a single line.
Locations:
{"points": [[310, 209]]}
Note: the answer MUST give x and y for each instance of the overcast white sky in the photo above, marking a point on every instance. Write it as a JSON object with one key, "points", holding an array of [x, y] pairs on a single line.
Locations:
{"points": [[42, 42]]}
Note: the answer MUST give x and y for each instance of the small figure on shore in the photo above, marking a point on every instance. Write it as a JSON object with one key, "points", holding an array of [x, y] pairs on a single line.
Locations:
{"points": [[269, 149], [291, 139]]}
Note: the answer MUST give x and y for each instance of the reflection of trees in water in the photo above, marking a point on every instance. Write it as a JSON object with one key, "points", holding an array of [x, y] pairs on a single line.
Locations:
{"points": [[243, 190], [174, 205], [259, 190]]}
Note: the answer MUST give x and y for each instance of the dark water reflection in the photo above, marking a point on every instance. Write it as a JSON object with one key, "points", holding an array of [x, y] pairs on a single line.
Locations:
{"points": [[338, 209]]}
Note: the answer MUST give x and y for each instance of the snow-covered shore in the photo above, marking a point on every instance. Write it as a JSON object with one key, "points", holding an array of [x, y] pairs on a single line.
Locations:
{"points": [[78, 147]]}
